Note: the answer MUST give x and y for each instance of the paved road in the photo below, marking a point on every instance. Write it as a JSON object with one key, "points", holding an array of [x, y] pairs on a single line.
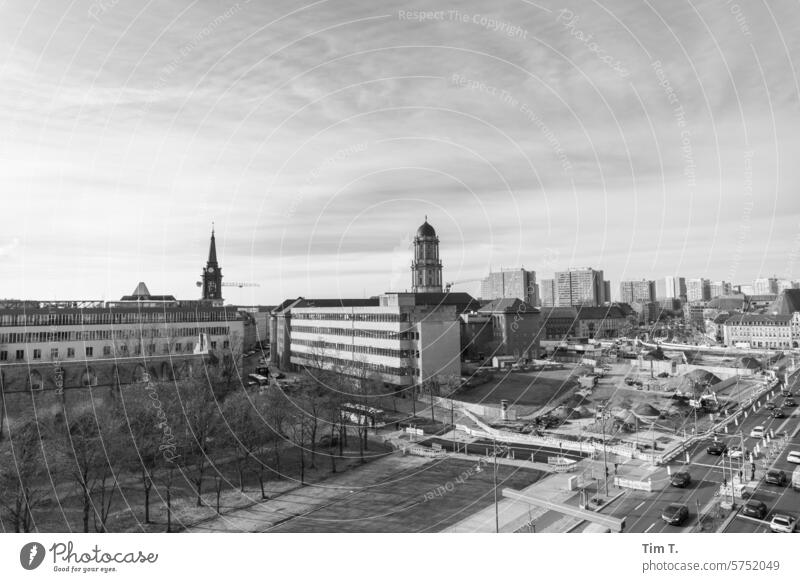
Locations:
{"points": [[777, 499], [642, 510]]}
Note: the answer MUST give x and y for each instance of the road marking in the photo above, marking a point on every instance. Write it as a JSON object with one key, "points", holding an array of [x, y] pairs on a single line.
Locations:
{"points": [[649, 528], [638, 506]]}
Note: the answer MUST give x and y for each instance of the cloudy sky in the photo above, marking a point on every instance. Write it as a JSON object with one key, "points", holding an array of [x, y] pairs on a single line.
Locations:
{"points": [[642, 138]]}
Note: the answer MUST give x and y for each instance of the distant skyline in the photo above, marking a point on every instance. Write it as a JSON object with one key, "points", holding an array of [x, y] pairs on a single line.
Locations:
{"points": [[318, 137]]}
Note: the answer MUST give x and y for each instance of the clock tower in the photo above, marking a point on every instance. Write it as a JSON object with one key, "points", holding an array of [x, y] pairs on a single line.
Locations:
{"points": [[212, 275]]}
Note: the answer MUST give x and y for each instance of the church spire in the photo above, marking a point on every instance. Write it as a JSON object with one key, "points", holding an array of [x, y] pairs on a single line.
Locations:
{"points": [[212, 274], [212, 250]]}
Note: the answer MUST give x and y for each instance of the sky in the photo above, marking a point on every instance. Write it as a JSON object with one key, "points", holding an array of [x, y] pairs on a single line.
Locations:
{"points": [[642, 138]]}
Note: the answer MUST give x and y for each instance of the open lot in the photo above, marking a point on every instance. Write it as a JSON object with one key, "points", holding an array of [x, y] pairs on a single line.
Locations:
{"points": [[425, 498], [526, 389]]}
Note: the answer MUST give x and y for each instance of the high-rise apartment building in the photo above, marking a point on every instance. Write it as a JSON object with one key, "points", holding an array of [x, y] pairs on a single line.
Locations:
{"points": [[581, 286], [718, 288], [698, 289], [637, 291], [671, 287], [765, 286], [511, 284], [547, 289]]}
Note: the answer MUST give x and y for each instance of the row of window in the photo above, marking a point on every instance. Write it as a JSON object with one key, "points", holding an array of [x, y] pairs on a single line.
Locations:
{"points": [[38, 337], [109, 317], [339, 316], [371, 350], [350, 332], [121, 350], [303, 358]]}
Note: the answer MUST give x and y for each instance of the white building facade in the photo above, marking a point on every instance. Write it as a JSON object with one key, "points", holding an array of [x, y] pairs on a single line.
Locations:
{"points": [[763, 331], [401, 341]]}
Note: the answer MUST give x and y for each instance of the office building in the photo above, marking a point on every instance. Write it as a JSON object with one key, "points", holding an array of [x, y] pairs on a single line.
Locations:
{"points": [[402, 338]]}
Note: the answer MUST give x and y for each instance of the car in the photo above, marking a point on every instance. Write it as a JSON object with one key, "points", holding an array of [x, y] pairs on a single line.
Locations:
{"points": [[716, 448], [279, 376], [778, 413], [776, 477], [737, 452], [770, 405], [754, 508], [782, 523], [681, 479], [758, 432], [789, 402], [675, 514], [786, 392], [794, 457]]}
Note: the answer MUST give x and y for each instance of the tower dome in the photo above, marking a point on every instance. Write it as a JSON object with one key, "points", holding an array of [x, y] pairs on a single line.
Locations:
{"points": [[426, 229]]}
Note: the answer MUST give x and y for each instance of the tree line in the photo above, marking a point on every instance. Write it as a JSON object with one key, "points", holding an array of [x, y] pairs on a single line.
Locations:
{"points": [[155, 436]]}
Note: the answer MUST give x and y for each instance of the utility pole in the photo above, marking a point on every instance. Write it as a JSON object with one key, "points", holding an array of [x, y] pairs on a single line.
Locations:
{"points": [[605, 459], [452, 422], [496, 512]]}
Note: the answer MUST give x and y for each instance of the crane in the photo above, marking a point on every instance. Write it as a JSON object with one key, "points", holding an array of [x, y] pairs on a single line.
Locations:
{"points": [[447, 286]]}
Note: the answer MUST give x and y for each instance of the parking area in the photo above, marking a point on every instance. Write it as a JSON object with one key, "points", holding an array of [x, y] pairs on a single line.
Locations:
{"points": [[425, 498]]}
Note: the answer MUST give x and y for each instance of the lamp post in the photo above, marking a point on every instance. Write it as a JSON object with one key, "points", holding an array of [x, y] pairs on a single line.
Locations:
{"points": [[605, 459]]}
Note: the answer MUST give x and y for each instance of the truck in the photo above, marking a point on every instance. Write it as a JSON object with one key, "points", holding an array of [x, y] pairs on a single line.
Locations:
{"points": [[796, 479]]}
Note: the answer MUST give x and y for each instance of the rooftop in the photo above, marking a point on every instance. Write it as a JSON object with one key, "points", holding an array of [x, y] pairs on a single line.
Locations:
{"points": [[786, 303], [508, 305]]}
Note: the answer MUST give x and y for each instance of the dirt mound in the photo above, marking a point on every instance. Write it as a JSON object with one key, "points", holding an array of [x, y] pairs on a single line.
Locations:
{"points": [[563, 413], [748, 363], [702, 377], [645, 409]]}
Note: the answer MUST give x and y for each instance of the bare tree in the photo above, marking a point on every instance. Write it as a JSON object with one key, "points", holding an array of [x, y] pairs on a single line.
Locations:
{"points": [[22, 476], [88, 449], [146, 432], [198, 410]]}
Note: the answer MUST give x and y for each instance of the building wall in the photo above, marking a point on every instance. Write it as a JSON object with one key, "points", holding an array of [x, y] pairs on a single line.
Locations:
{"points": [[608, 327], [776, 332], [519, 334], [637, 291], [398, 340], [579, 287], [516, 283], [44, 340], [548, 293]]}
